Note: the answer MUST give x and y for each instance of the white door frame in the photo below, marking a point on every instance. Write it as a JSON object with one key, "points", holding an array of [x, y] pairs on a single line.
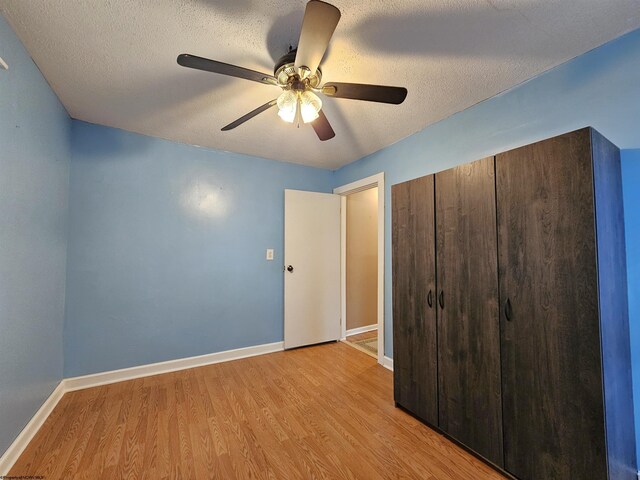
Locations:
{"points": [[376, 180]]}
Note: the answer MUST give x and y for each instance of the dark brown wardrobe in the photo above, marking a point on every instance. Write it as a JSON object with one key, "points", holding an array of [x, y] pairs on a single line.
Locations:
{"points": [[510, 309]]}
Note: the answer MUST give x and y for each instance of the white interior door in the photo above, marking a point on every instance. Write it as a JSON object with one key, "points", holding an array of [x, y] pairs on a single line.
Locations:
{"points": [[312, 268]]}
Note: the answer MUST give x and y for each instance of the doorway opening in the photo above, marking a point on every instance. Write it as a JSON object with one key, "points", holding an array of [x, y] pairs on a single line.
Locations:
{"points": [[362, 258]]}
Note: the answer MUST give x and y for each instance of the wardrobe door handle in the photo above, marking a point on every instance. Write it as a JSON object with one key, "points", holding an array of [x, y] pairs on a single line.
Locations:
{"points": [[441, 299], [430, 299], [507, 310]]}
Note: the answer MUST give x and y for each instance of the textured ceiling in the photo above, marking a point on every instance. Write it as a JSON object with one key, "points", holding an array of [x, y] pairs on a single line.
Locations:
{"points": [[113, 62]]}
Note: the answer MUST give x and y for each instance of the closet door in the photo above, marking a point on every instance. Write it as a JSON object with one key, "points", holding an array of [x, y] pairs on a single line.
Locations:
{"points": [[470, 405], [552, 382], [414, 317]]}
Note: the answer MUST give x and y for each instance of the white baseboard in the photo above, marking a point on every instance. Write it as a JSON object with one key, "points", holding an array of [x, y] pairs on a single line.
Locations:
{"points": [[387, 363], [366, 328], [29, 431], [105, 378]]}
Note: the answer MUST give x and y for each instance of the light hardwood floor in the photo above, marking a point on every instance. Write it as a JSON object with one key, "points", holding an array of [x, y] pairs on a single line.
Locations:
{"points": [[321, 412]]}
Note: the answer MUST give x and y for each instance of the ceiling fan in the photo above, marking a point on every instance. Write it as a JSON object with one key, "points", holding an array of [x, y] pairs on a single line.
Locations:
{"points": [[298, 74]]}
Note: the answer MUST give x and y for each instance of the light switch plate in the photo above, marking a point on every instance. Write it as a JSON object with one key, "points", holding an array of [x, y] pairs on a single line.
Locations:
{"points": [[269, 253]]}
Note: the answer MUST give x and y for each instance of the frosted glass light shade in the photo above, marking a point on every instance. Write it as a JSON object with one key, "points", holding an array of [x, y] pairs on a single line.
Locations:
{"points": [[310, 105], [287, 105]]}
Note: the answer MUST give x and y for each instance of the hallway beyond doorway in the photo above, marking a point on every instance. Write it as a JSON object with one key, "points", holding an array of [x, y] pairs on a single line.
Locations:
{"points": [[366, 342]]}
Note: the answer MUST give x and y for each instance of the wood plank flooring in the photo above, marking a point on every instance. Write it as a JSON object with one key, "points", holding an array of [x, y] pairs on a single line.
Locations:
{"points": [[323, 412]]}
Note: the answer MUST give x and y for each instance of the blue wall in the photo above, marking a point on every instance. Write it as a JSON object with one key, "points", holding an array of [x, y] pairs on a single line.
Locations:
{"points": [[600, 89], [34, 177], [631, 193], [167, 249]]}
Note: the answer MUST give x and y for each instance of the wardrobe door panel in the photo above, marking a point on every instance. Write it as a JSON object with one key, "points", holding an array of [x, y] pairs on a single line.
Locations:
{"points": [[470, 404], [552, 382], [414, 317]]}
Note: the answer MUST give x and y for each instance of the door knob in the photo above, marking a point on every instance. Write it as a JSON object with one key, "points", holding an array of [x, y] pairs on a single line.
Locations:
{"points": [[290, 268], [441, 299], [430, 299]]}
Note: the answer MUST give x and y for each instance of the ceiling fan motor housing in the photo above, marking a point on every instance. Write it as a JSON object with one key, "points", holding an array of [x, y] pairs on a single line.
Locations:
{"points": [[286, 74]]}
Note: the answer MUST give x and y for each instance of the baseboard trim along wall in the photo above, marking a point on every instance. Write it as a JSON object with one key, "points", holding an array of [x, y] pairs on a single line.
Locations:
{"points": [[29, 431], [387, 363], [105, 378], [366, 328]]}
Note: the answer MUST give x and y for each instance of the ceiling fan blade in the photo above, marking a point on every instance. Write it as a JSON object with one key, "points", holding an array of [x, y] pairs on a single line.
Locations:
{"points": [[200, 63], [320, 21], [250, 115], [369, 93], [322, 127]]}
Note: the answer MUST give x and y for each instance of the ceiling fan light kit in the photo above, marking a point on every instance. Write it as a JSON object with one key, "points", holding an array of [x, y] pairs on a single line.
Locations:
{"points": [[292, 104], [298, 74]]}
